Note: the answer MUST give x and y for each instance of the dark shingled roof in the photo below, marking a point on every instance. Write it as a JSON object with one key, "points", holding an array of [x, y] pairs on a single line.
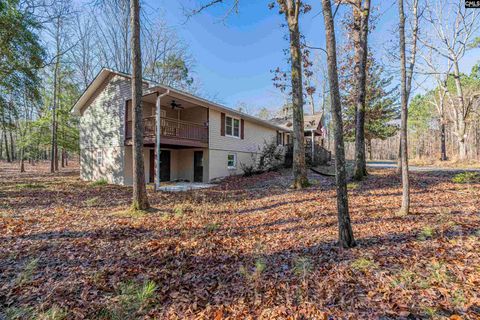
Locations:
{"points": [[310, 122]]}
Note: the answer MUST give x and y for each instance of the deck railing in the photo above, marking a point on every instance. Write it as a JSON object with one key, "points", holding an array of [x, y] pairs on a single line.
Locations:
{"points": [[172, 128]]}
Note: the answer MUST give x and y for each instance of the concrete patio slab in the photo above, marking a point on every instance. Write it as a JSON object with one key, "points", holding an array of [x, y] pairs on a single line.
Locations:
{"points": [[185, 186]]}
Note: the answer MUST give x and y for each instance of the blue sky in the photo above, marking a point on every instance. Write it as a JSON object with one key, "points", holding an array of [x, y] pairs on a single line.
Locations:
{"points": [[233, 57]]}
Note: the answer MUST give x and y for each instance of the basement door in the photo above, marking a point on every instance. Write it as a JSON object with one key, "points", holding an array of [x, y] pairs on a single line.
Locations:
{"points": [[198, 166], [165, 165]]}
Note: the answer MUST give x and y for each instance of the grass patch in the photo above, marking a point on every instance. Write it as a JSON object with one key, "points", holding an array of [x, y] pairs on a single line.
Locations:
{"points": [[466, 177], [178, 211], [458, 299], [363, 264], [23, 186], [133, 301], [426, 233], [20, 313], [133, 213], [405, 279], [99, 183], [17, 313], [255, 273], [54, 313], [302, 266], [211, 227], [27, 274], [352, 186], [92, 201]]}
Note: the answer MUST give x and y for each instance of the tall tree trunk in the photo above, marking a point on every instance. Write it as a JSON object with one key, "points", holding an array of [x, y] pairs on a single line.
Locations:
{"points": [[360, 37], [443, 146], [405, 209], [345, 232], [12, 147], [54, 155], [299, 168], [139, 200], [461, 123], [57, 157], [22, 160], [369, 149], [7, 152], [63, 158]]}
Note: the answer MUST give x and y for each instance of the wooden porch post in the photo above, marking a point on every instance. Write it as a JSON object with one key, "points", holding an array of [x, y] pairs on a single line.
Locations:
{"points": [[157, 138]]}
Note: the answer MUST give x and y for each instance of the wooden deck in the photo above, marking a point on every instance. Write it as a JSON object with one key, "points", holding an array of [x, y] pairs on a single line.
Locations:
{"points": [[173, 132]]}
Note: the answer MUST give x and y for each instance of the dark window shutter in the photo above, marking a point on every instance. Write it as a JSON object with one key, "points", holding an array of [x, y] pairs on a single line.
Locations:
{"points": [[242, 129], [222, 124]]}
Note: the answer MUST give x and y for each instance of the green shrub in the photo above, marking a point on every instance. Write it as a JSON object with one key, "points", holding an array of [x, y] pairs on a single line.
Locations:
{"points": [[466, 177], [99, 182], [268, 158]]}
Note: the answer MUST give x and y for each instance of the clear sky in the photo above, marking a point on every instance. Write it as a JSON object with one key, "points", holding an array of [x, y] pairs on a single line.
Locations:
{"points": [[233, 57]]}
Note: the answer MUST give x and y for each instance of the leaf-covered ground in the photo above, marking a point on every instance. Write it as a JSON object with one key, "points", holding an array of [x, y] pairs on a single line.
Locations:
{"points": [[249, 248]]}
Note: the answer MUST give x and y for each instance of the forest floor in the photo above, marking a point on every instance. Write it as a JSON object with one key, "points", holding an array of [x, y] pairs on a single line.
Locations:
{"points": [[249, 248]]}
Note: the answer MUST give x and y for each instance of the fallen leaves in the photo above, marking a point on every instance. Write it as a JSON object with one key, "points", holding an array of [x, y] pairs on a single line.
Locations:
{"points": [[249, 248]]}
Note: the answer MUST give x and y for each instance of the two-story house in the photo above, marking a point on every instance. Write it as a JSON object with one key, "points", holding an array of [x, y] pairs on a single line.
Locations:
{"points": [[198, 140]]}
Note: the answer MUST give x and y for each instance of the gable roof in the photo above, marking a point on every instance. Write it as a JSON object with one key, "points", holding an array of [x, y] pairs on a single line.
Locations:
{"points": [[154, 87]]}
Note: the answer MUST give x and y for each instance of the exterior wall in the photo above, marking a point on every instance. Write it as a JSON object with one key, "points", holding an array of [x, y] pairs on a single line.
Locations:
{"points": [[129, 164], [255, 136], [195, 114], [102, 128], [181, 164]]}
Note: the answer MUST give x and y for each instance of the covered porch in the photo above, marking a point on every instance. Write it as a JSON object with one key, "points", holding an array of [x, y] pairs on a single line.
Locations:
{"points": [[179, 145]]}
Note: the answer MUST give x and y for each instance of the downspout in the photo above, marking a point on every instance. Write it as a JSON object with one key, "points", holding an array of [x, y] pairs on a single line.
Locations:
{"points": [[157, 139]]}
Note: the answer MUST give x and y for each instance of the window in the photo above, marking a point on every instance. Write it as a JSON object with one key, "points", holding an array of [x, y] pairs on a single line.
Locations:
{"points": [[232, 127], [232, 161], [99, 157]]}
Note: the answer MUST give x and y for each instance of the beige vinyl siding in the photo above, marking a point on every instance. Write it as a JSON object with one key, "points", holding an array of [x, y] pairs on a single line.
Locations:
{"points": [[255, 136], [182, 164], [102, 128]]}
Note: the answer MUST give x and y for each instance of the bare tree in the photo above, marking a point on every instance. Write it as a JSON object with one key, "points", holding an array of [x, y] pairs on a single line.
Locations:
{"points": [[433, 67], [84, 54], [140, 199], [361, 13], [406, 72], [453, 28], [345, 232], [291, 10], [113, 32]]}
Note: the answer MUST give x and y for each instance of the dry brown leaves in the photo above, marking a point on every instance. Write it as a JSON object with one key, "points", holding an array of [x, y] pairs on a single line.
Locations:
{"points": [[249, 248]]}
